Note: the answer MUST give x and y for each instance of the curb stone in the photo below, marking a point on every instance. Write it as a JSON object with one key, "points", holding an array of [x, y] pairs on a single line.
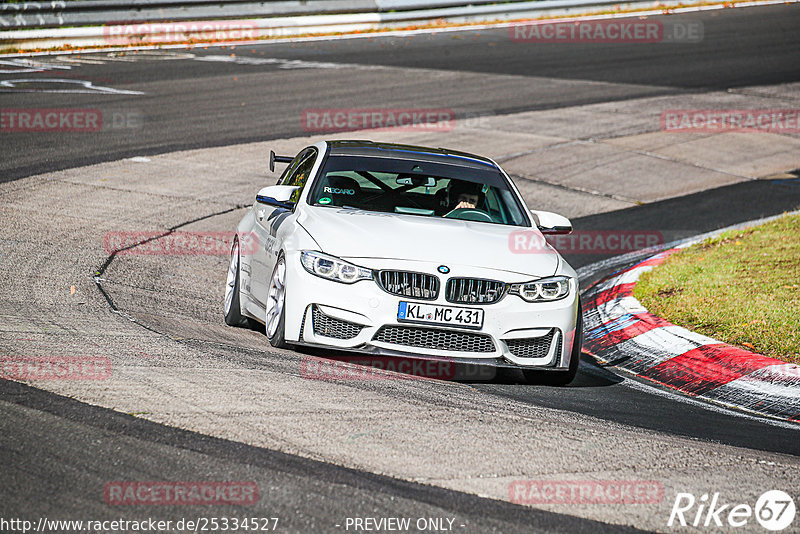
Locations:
{"points": [[620, 332]]}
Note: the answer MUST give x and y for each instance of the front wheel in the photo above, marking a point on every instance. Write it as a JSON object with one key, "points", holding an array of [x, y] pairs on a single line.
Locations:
{"points": [[561, 378], [276, 309], [233, 311]]}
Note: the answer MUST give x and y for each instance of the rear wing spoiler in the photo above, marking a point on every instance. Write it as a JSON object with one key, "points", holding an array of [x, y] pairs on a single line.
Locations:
{"points": [[280, 159]]}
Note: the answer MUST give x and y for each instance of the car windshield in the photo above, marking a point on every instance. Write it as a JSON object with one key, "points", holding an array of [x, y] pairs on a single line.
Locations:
{"points": [[420, 188]]}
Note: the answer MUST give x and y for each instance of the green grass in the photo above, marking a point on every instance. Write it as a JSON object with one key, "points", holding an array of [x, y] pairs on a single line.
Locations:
{"points": [[742, 287]]}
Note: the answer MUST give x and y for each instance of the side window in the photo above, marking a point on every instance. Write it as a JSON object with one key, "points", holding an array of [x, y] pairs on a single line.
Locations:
{"points": [[290, 169], [299, 176], [494, 206]]}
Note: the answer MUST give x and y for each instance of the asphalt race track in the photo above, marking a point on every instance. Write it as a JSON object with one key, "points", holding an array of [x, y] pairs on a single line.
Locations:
{"points": [[61, 446], [193, 104]]}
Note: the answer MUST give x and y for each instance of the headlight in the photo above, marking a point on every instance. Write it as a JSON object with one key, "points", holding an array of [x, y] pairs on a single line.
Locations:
{"points": [[332, 268], [544, 290]]}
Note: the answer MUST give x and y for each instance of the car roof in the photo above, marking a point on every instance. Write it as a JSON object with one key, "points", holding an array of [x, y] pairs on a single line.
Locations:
{"points": [[410, 152]]}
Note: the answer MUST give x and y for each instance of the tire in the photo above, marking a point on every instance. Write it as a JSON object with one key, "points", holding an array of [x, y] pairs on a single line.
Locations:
{"points": [[561, 378], [275, 320], [232, 308]]}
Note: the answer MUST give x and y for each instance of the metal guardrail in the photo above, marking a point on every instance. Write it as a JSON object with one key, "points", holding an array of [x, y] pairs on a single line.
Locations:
{"points": [[103, 23], [59, 14]]}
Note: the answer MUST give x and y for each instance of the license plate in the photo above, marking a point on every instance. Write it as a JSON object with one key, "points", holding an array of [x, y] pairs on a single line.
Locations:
{"points": [[412, 312]]}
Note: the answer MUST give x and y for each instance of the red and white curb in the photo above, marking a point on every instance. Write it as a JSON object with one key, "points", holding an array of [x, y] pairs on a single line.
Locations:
{"points": [[620, 332]]}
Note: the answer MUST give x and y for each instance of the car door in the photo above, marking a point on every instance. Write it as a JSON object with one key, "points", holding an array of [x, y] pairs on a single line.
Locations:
{"points": [[269, 218]]}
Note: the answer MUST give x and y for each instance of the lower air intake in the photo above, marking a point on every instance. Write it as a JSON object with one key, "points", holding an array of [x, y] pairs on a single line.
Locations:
{"points": [[327, 326], [431, 338], [532, 347]]}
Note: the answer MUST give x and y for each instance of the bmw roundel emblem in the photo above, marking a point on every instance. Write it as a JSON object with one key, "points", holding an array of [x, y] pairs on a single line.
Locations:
{"points": [[444, 269]]}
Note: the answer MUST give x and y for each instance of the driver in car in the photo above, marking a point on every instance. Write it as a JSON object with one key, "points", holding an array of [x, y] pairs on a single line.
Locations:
{"points": [[464, 195]]}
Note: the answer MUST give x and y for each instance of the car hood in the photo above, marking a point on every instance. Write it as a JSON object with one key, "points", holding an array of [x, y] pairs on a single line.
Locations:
{"points": [[361, 234]]}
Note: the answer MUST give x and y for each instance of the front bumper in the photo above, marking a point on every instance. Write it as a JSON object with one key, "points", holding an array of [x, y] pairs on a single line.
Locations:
{"points": [[362, 317]]}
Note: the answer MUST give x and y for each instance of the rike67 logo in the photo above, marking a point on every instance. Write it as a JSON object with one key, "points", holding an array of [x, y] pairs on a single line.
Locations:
{"points": [[774, 510]]}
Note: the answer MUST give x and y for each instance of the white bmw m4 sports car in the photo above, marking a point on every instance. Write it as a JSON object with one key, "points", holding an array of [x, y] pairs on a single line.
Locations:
{"points": [[406, 251]]}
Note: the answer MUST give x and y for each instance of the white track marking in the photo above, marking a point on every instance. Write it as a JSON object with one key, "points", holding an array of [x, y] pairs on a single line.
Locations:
{"points": [[9, 86], [285, 63], [28, 66]]}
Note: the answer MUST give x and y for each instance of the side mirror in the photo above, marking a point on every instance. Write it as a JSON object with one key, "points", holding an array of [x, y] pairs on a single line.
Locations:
{"points": [[277, 195], [550, 223]]}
